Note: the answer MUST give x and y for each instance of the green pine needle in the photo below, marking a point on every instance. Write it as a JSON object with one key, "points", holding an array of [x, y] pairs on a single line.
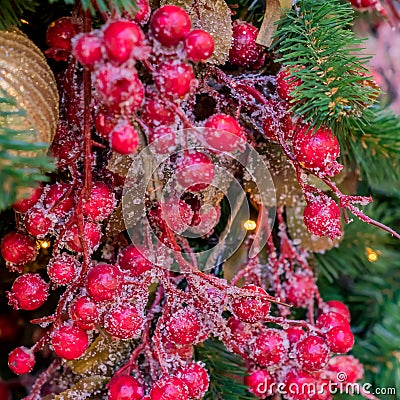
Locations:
{"points": [[11, 11]]}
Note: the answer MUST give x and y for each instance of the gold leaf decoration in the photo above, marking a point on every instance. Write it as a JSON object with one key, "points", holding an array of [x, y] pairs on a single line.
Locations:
{"points": [[84, 388]]}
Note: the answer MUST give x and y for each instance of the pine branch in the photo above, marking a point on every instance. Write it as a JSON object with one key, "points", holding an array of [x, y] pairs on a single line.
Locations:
{"points": [[11, 11], [316, 42], [105, 5]]}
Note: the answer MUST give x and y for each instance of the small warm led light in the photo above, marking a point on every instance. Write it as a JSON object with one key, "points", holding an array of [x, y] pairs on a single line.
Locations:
{"points": [[44, 244], [24, 21], [250, 225], [371, 255]]}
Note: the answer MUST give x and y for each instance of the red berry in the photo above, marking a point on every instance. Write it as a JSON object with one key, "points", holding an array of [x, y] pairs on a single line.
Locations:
{"points": [[322, 390], [340, 339], [143, 14], [87, 49], [163, 140], [241, 333], [224, 133], [300, 289], [169, 388], [57, 199], [260, 383], [329, 320], [184, 352], [60, 33], [123, 321], [121, 38], [92, 235], [18, 248], [169, 24], [133, 259], [317, 149], [349, 365], [299, 385], [174, 80], [25, 204], [195, 171], [84, 313], [364, 4], [104, 121], [269, 347], [251, 309], [124, 138], [28, 292], [124, 387], [69, 342], [37, 222], [21, 360], [277, 118], [205, 219], [285, 84], [199, 45], [340, 308], [195, 377], [103, 282], [294, 334], [322, 217], [62, 269], [312, 353], [183, 327], [156, 113], [176, 213], [244, 51], [101, 204]]}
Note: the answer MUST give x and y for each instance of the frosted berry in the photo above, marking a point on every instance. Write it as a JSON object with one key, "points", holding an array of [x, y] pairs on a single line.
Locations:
{"points": [[269, 347], [177, 214], [120, 39], [205, 219], [241, 334], [25, 204], [104, 121], [87, 49], [58, 199], [169, 24], [317, 149], [62, 269], [340, 339], [300, 289], [183, 327], [60, 33], [28, 292], [124, 387], [163, 139], [350, 365], [285, 84], [155, 113], [312, 353], [195, 377], [329, 320], [143, 14], [132, 259], [339, 307], [251, 309], [294, 334], [92, 232], [300, 385], [103, 282], [84, 313], [124, 138], [37, 223], [260, 383], [18, 248], [278, 119], [364, 4], [185, 351], [174, 80], [322, 217], [101, 203], [195, 171], [244, 51], [123, 321], [21, 360], [224, 133], [199, 45], [69, 342], [169, 388]]}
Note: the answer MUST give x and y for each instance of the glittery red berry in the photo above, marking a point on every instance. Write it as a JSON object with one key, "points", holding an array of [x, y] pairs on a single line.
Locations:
{"points": [[285, 84], [101, 203], [25, 204], [329, 320], [299, 385], [123, 321], [300, 289], [143, 14], [195, 377], [183, 327], [269, 347], [58, 199], [199, 45], [312, 353], [339, 307], [28, 292], [60, 33], [103, 282], [133, 260], [18, 248], [195, 171], [364, 4], [294, 334], [155, 113], [92, 232], [169, 388], [62, 269], [260, 383], [163, 140], [251, 309], [340, 339], [21, 360], [124, 138], [69, 342], [224, 133], [278, 119], [87, 49], [104, 121], [124, 387], [176, 214], [84, 313], [37, 222], [120, 39], [169, 24], [244, 51], [349, 365], [322, 217]]}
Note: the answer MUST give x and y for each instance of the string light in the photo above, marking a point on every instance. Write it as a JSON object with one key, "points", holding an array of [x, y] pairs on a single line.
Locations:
{"points": [[371, 255], [44, 244], [250, 225]]}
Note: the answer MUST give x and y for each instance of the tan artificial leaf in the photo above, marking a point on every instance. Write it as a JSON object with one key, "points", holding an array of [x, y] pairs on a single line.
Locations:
{"points": [[120, 164], [116, 223], [214, 16], [84, 388]]}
